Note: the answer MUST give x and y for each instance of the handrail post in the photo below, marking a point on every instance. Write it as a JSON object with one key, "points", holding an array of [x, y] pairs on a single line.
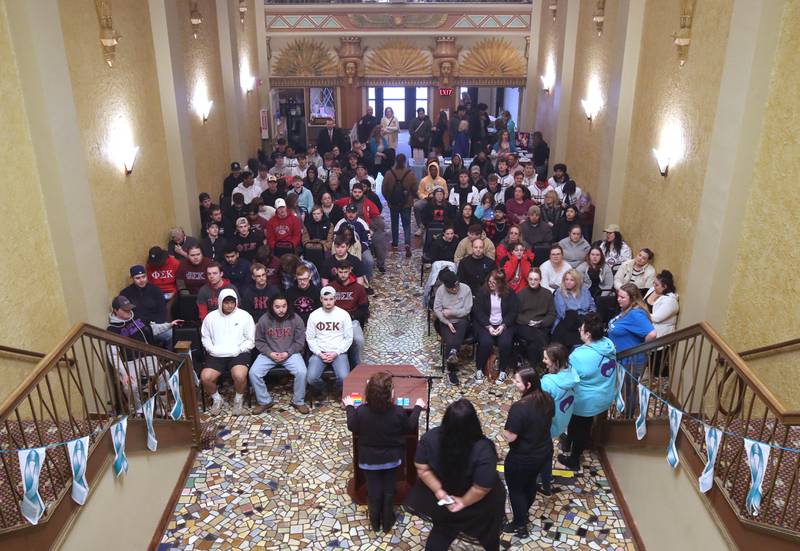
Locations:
{"points": [[188, 391]]}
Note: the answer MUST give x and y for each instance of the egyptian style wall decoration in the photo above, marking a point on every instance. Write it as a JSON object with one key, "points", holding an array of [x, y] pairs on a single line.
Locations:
{"points": [[350, 58], [492, 57], [305, 57], [397, 58], [445, 60], [395, 21]]}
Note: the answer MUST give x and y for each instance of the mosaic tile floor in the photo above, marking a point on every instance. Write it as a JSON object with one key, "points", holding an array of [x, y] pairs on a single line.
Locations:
{"points": [[277, 481]]}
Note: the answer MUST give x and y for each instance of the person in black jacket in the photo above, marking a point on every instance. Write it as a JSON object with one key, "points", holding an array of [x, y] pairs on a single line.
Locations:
{"points": [[149, 302], [380, 426], [475, 268], [493, 314], [444, 248]]}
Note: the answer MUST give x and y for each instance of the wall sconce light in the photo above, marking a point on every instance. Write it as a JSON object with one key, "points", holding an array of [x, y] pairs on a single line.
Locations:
{"points": [[109, 38], [683, 38], [593, 101], [130, 158], [200, 102], [662, 158], [549, 77], [249, 83], [196, 19], [206, 110], [670, 147], [553, 7], [242, 11], [599, 16]]}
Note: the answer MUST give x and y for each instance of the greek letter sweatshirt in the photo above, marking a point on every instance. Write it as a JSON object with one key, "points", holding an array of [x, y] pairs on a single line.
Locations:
{"points": [[329, 331]]}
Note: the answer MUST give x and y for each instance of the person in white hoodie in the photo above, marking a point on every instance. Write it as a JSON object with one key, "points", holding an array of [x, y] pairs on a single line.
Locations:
{"points": [[228, 335], [329, 334], [662, 301]]}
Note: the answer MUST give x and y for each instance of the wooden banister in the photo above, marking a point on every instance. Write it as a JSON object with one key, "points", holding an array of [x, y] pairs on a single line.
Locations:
{"points": [[777, 347], [20, 352]]}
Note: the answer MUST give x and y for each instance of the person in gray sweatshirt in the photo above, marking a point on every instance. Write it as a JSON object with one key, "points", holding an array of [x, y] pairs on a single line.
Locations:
{"points": [[280, 340], [452, 305]]}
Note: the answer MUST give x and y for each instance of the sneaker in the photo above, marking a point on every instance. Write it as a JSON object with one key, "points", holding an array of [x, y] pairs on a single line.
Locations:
{"points": [[452, 378], [237, 405], [521, 531], [408, 251], [216, 407], [394, 248], [479, 377], [261, 408], [301, 408], [568, 462], [563, 443], [382, 269], [370, 291], [546, 491], [452, 357], [501, 378]]}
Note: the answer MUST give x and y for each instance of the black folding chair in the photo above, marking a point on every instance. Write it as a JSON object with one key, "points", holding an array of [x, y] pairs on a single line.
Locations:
{"points": [[431, 234]]}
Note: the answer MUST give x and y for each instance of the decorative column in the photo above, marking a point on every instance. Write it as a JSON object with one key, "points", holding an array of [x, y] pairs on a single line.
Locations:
{"points": [[445, 74], [350, 92]]}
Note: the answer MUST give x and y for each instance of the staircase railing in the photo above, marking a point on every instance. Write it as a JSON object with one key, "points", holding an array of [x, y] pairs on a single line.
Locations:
{"points": [[695, 370], [88, 382]]}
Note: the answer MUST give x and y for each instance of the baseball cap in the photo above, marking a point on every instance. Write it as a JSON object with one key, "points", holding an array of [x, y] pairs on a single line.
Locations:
{"points": [[326, 291], [279, 203], [612, 227], [235, 167], [138, 269], [272, 178], [122, 303], [349, 208], [157, 256]]}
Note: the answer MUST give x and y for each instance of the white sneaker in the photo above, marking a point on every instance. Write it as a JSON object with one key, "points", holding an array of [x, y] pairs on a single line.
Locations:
{"points": [[479, 377], [501, 378], [216, 406], [237, 405]]}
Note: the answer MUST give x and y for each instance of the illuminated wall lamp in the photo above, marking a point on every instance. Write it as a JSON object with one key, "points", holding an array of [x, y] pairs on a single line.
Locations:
{"points": [[249, 83], [242, 11], [129, 157], [553, 7], [662, 158], [549, 77], [591, 108], [205, 110], [196, 19]]}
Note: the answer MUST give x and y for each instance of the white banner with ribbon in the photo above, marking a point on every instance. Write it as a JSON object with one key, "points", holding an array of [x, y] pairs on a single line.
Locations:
{"points": [[713, 437], [78, 451], [175, 387], [147, 408], [675, 416], [641, 420], [757, 455], [30, 466], [119, 432]]}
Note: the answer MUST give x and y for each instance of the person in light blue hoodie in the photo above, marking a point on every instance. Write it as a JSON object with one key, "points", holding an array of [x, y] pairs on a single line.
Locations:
{"points": [[559, 382], [305, 199], [596, 365]]}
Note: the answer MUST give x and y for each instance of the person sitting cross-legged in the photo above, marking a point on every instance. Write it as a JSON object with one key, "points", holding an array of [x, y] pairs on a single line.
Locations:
{"points": [[329, 334], [227, 335], [452, 305], [280, 340]]}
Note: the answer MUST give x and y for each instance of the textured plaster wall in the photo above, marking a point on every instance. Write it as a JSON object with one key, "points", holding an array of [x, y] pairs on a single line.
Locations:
{"points": [[133, 212], [763, 305], [249, 125], [589, 144], [202, 68], [662, 213], [29, 270], [551, 46]]}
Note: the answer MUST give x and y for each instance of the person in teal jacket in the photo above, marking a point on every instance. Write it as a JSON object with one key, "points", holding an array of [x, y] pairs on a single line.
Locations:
{"points": [[559, 383], [596, 365]]}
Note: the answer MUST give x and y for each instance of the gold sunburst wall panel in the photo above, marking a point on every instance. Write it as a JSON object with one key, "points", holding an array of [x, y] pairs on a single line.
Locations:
{"points": [[305, 58], [492, 57], [397, 58]]}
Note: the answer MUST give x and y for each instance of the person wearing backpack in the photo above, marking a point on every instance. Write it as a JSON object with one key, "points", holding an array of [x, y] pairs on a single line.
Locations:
{"points": [[399, 188]]}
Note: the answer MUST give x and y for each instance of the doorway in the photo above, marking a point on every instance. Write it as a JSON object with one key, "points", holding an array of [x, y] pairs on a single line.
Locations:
{"points": [[404, 101]]}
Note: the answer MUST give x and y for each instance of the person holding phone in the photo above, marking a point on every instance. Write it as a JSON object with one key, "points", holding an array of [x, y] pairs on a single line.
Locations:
{"points": [[380, 427], [457, 487]]}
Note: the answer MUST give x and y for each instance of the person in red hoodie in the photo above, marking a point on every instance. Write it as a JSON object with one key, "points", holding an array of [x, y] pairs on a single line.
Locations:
{"points": [[367, 210], [208, 295], [284, 231], [192, 271], [517, 267], [352, 298], [162, 271]]}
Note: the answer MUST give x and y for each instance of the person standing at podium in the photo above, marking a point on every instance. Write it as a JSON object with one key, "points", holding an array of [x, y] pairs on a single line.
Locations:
{"points": [[381, 427]]}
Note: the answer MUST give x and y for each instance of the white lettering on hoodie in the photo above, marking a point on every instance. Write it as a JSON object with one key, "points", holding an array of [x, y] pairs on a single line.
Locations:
{"points": [[226, 336]]}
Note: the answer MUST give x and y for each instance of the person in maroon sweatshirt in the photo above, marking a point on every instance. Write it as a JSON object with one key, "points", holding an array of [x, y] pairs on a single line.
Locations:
{"points": [[208, 295], [192, 271], [284, 231], [352, 298]]}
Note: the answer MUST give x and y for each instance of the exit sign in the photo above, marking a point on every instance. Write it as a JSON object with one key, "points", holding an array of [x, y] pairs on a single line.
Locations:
{"points": [[446, 91]]}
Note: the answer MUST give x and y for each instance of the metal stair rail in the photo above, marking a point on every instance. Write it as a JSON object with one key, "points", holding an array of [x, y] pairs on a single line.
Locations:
{"points": [[90, 379], [695, 370]]}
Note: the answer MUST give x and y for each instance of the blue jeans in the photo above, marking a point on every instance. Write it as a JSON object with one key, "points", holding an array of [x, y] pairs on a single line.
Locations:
{"points": [[358, 344], [262, 366], [396, 216], [341, 367], [164, 339], [368, 261]]}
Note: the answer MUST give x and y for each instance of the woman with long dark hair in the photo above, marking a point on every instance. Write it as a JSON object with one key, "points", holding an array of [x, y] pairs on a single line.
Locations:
{"points": [[614, 248], [527, 430], [494, 310], [458, 488], [465, 219], [317, 236], [380, 426], [313, 183]]}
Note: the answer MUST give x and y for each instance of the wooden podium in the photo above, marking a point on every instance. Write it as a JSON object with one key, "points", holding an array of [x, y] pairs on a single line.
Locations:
{"points": [[412, 389]]}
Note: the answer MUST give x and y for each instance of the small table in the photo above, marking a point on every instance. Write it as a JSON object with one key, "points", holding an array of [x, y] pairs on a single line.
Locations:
{"points": [[412, 389]]}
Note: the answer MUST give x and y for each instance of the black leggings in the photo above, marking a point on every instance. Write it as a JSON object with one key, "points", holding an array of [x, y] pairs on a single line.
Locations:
{"points": [[440, 539], [521, 482], [380, 483], [505, 344], [579, 432]]}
